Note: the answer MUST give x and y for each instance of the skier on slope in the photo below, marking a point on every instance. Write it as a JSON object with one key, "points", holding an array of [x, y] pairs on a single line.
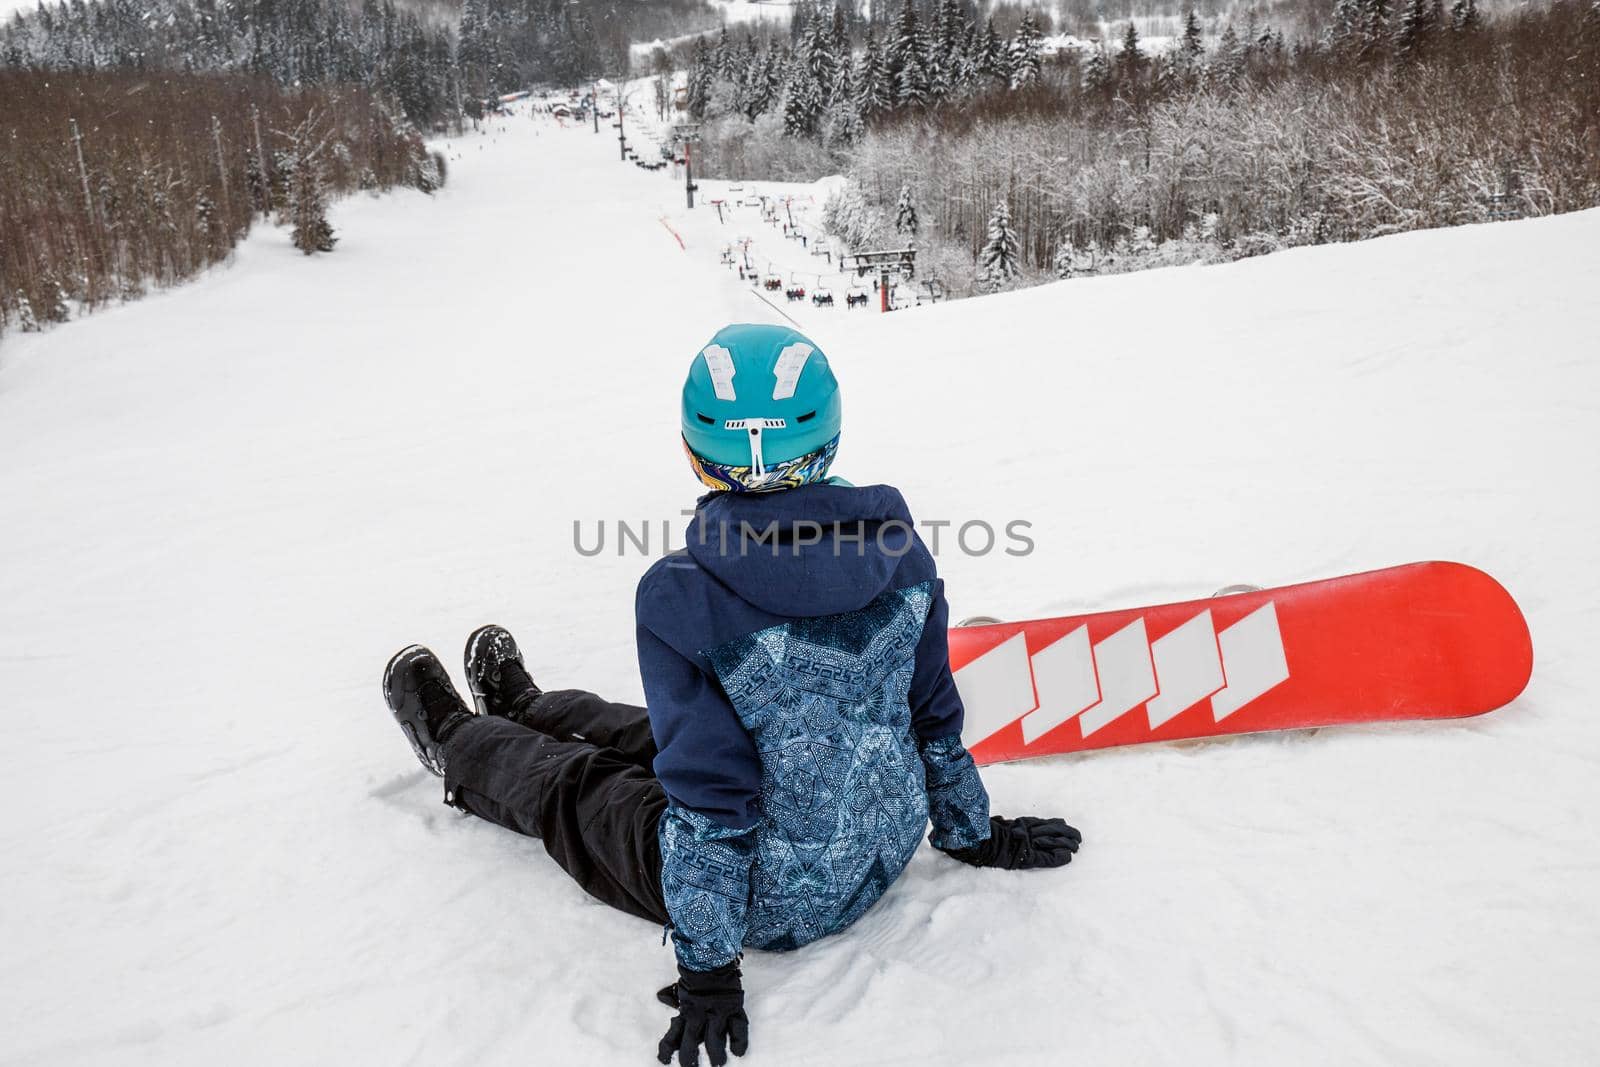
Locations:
{"points": [[802, 726]]}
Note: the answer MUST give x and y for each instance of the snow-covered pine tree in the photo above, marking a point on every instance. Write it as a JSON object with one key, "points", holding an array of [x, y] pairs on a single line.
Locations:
{"points": [[844, 125], [1464, 17], [911, 85], [905, 213], [308, 199], [207, 226], [944, 46], [1347, 28], [27, 321], [1097, 71], [53, 304], [255, 184], [901, 49], [968, 60], [1227, 62], [1130, 60], [995, 58], [1252, 32], [1025, 52], [1375, 27], [802, 104], [874, 94], [698, 79], [1415, 30], [1000, 262], [821, 65], [839, 35], [1190, 53]]}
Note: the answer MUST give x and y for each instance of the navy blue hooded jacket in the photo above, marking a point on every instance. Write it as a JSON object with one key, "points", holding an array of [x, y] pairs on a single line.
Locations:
{"points": [[798, 680]]}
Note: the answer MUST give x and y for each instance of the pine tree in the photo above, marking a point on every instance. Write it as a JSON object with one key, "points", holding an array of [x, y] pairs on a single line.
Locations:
{"points": [[875, 94], [912, 83], [308, 198], [27, 321], [901, 50], [905, 213], [995, 58], [1415, 30], [1097, 71], [206, 224], [821, 66], [1348, 27], [1464, 16], [802, 105], [1375, 27], [1025, 52], [839, 35], [1000, 260], [844, 122], [1191, 46], [1130, 61], [1227, 65], [968, 60], [844, 119]]}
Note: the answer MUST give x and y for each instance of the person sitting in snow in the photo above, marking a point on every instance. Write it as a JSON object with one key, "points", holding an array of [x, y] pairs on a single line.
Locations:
{"points": [[802, 728]]}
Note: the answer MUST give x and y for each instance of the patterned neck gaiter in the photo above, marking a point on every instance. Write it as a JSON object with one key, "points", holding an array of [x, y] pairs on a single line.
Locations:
{"points": [[790, 474]]}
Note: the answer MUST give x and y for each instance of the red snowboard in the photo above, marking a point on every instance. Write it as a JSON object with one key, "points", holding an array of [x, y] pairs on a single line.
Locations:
{"points": [[1422, 641]]}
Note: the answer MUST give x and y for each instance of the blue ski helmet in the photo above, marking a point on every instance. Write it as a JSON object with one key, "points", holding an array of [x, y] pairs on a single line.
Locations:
{"points": [[760, 410]]}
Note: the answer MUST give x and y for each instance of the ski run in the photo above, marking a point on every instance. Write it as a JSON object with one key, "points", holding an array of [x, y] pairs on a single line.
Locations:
{"points": [[226, 505]]}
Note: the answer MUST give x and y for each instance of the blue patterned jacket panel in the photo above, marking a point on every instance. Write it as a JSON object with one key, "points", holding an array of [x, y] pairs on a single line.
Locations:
{"points": [[958, 804], [843, 799], [802, 753], [706, 883]]}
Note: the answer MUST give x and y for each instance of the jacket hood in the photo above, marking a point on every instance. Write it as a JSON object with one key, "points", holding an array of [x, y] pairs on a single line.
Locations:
{"points": [[815, 550]]}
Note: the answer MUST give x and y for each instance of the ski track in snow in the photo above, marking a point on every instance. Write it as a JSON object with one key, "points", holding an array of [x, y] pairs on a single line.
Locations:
{"points": [[226, 505]]}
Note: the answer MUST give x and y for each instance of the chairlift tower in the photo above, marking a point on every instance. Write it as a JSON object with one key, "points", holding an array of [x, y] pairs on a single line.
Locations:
{"points": [[687, 134], [886, 263]]}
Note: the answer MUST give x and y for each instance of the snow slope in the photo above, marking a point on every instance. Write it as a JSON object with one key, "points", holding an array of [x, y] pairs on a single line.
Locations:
{"points": [[225, 506]]}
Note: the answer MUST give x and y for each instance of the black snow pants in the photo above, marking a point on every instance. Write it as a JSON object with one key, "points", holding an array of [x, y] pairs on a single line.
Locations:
{"points": [[574, 771]]}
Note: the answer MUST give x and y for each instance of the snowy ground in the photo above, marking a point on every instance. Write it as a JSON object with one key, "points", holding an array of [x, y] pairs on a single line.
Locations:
{"points": [[225, 506]]}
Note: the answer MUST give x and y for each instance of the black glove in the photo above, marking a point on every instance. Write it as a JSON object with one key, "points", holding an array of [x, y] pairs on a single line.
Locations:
{"points": [[1018, 844], [710, 1011]]}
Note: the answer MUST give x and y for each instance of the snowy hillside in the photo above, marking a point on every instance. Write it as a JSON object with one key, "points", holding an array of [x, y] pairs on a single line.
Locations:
{"points": [[226, 505]]}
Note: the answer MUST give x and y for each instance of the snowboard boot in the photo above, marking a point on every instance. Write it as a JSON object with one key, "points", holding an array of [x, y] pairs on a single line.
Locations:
{"points": [[496, 673], [425, 704]]}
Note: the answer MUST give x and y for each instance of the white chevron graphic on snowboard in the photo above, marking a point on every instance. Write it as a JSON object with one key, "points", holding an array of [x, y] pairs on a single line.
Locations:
{"points": [[1099, 684]]}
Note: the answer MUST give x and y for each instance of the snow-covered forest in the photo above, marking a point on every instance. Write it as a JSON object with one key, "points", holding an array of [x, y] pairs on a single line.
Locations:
{"points": [[1008, 151], [116, 182], [1111, 156], [433, 63]]}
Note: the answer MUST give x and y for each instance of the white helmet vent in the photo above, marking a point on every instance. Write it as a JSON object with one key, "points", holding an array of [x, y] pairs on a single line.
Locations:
{"points": [[719, 361], [791, 361]]}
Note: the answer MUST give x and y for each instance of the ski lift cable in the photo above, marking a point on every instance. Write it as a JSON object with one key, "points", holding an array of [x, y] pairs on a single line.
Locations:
{"points": [[774, 307]]}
